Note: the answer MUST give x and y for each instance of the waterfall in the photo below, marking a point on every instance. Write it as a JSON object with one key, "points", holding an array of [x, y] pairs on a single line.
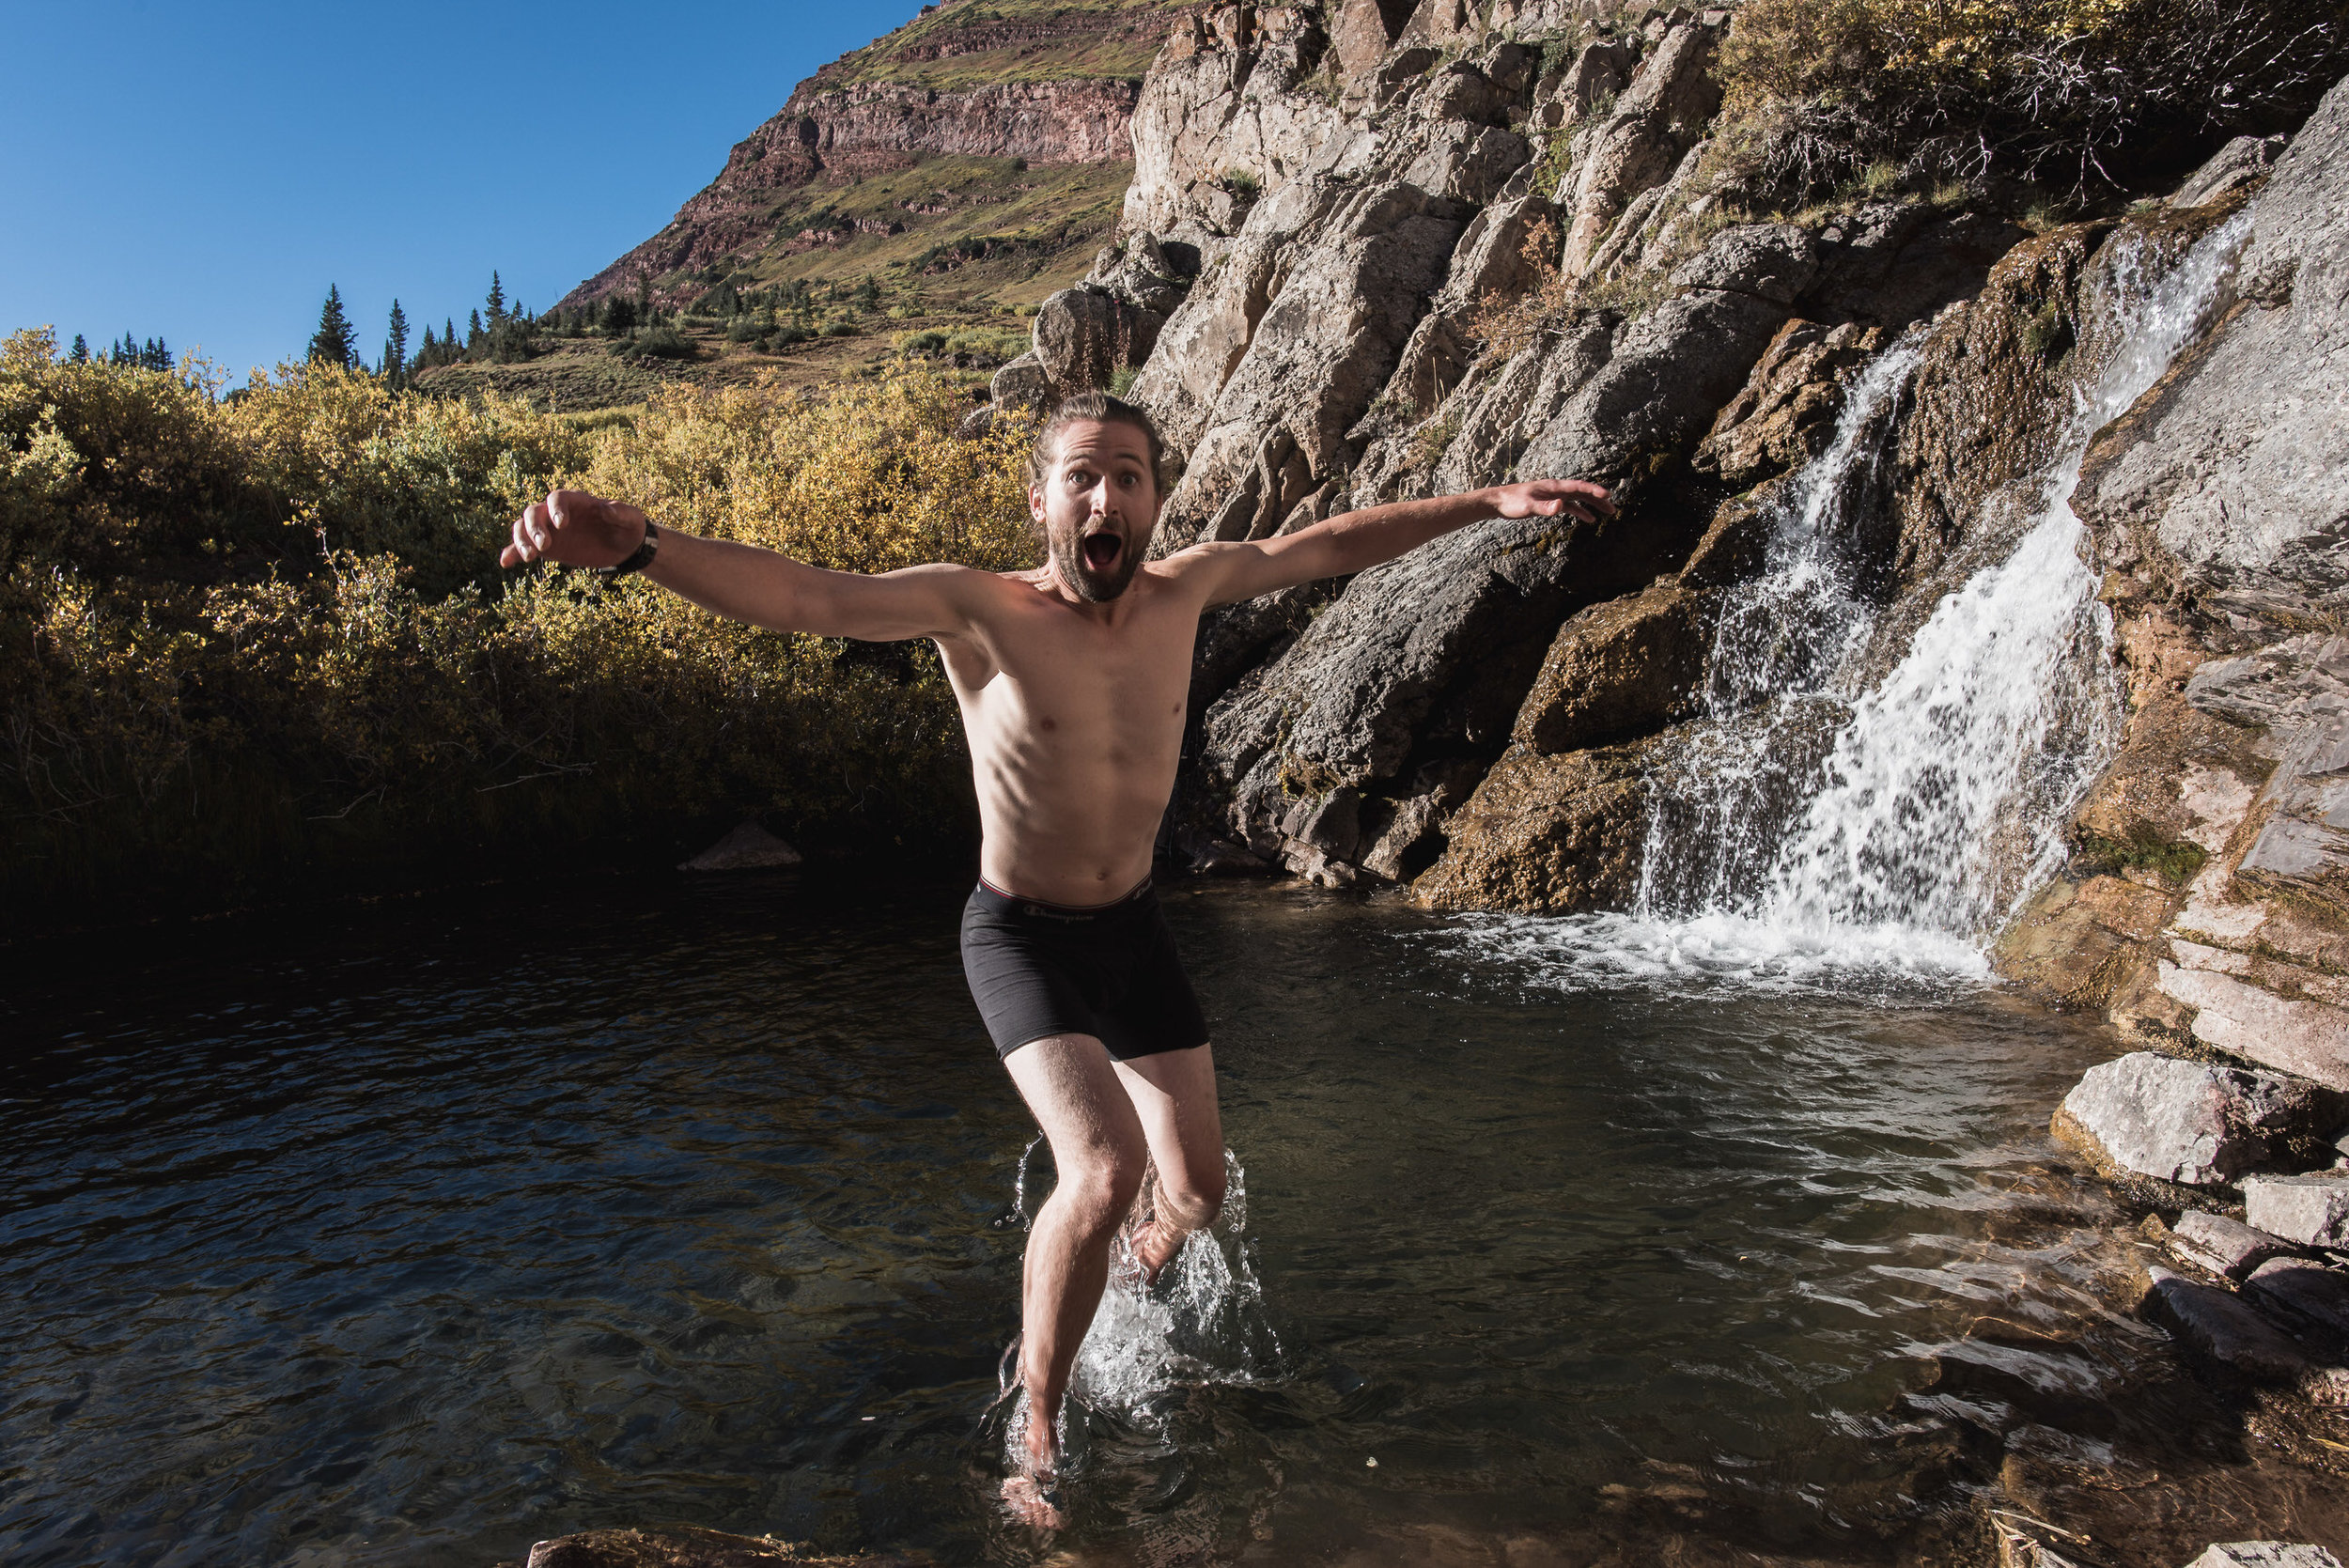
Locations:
{"points": [[1817, 820]]}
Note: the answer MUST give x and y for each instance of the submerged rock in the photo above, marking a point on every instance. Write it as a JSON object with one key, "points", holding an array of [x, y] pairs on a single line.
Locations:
{"points": [[2188, 1121], [686, 1547], [748, 848], [2217, 1327]]}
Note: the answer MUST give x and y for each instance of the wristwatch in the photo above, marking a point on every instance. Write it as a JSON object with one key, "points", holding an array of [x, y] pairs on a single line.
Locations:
{"points": [[638, 559]]}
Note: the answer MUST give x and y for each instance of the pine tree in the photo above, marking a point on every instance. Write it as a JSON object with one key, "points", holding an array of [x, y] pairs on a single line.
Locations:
{"points": [[472, 333], [123, 351], [497, 299], [81, 351], [156, 355], [330, 344], [396, 346]]}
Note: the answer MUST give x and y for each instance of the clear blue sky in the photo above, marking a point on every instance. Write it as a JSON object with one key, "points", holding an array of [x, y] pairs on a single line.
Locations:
{"points": [[202, 172]]}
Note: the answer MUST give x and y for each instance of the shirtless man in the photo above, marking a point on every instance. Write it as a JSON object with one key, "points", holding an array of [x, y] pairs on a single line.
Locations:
{"points": [[1072, 679]]}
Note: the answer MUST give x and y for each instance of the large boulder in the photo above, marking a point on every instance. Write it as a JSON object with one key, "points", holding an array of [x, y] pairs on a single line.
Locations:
{"points": [[2225, 1247], [1545, 834], [1625, 668], [2189, 1121]]}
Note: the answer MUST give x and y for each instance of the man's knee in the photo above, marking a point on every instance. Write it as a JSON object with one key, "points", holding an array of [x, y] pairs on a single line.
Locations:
{"points": [[1194, 1198], [1102, 1182]]}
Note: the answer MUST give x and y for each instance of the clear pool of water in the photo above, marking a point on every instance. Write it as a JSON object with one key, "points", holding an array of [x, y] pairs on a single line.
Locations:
{"points": [[411, 1235]]}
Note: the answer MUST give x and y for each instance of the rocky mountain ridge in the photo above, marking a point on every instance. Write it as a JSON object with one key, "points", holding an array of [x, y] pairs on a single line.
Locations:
{"points": [[1053, 87]]}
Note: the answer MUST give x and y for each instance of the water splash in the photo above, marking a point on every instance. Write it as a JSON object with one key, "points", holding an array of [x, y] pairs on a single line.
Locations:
{"points": [[1811, 827], [1203, 1323]]}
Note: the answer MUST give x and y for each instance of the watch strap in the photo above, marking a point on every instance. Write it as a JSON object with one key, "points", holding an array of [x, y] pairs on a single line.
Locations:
{"points": [[639, 558]]}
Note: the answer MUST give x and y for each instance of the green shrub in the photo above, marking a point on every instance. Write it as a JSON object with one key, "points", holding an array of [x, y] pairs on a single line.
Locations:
{"points": [[841, 329]]}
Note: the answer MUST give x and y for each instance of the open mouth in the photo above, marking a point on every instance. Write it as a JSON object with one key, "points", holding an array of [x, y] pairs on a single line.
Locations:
{"points": [[1101, 550]]}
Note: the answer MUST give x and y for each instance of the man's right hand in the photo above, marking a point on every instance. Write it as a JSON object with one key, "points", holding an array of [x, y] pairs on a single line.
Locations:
{"points": [[577, 529]]}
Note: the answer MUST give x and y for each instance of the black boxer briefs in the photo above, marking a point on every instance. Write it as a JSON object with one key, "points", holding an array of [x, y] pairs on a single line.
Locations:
{"points": [[1110, 972]]}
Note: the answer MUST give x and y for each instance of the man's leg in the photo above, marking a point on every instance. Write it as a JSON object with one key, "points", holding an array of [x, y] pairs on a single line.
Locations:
{"points": [[1099, 1149], [1174, 1095]]}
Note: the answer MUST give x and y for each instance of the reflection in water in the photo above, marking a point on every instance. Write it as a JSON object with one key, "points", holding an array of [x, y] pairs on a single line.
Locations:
{"points": [[411, 1236]]}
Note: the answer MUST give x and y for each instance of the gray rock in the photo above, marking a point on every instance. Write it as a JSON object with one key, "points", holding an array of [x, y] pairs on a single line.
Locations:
{"points": [[2266, 1554], [2308, 1211], [1771, 261], [2186, 1121], [2236, 465], [1670, 373], [748, 848], [1640, 144], [1077, 339], [2225, 1247], [1363, 30], [2230, 170], [1023, 384], [2217, 1327], [2309, 1291]]}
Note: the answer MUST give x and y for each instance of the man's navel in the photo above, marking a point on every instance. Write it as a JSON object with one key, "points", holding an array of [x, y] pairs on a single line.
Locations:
{"points": [[1048, 724]]}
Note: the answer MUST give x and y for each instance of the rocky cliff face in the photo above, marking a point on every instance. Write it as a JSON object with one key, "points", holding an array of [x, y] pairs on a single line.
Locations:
{"points": [[1054, 87], [2208, 910]]}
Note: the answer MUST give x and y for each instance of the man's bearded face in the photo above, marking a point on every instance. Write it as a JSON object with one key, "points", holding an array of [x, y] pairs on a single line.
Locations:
{"points": [[1098, 505]]}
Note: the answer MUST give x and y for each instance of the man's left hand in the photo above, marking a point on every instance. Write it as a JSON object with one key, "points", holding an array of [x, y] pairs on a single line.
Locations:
{"points": [[1547, 497]]}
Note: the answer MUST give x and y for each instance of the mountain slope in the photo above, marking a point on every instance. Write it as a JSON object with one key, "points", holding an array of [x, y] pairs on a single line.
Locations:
{"points": [[1028, 99]]}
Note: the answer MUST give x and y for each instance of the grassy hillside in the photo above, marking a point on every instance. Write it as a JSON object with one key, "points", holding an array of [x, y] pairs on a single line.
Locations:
{"points": [[995, 241], [971, 44]]}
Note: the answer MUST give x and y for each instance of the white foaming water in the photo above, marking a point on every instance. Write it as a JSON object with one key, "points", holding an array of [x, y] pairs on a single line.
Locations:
{"points": [[1901, 848], [1203, 1323]]}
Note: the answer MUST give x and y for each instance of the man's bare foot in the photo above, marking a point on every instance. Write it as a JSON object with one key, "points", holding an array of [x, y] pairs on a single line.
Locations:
{"points": [[1154, 1244], [1033, 1501]]}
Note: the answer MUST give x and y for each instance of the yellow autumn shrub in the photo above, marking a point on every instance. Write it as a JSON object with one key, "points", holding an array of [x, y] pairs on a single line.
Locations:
{"points": [[258, 641]]}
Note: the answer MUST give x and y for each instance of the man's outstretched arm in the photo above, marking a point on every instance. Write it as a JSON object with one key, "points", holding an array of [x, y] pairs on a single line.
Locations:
{"points": [[742, 582], [1352, 541]]}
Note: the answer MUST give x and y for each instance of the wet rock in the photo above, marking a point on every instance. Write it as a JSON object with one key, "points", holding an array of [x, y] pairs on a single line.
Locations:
{"points": [[2266, 1554], [1737, 542], [2185, 1121], [1623, 668], [2308, 1210], [685, 1546], [2077, 943], [2218, 1328], [2225, 1247], [748, 848], [1785, 413], [1405, 835], [2308, 1290], [1545, 834], [1990, 399]]}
